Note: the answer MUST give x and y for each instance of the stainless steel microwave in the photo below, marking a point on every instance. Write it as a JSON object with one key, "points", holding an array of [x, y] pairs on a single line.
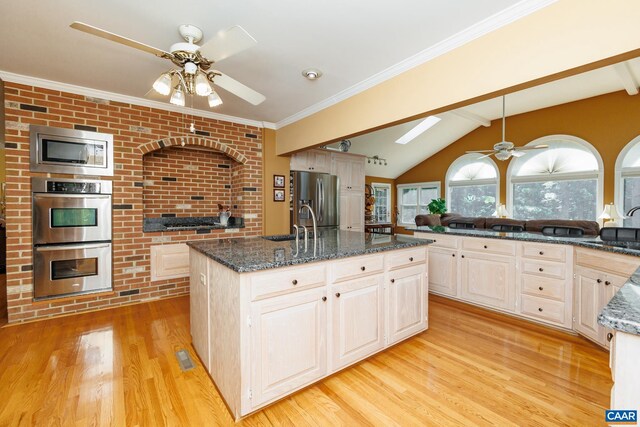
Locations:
{"points": [[71, 151]]}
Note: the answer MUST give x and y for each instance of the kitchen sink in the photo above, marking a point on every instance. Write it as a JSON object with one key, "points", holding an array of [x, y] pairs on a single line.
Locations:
{"points": [[620, 234], [281, 238]]}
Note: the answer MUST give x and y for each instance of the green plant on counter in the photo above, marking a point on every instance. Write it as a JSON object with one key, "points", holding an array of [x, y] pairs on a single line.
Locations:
{"points": [[437, 206]]}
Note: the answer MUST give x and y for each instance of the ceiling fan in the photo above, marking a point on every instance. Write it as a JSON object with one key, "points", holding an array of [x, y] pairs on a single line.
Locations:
{"points": [[504, 149], [194, 74]]}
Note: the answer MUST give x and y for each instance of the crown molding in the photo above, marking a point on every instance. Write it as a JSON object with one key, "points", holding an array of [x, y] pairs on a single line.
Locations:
{"points": [[492, 23], [126, 99]]}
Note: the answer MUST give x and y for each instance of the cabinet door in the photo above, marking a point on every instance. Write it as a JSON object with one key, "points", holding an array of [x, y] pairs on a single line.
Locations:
{"points": [[199, 306], [344, 210], [299, 161], [320, 161], [488, 279], [443, 271], [355, 215], [288, 343], [357, 312], [341, 166], [612, 285], [357, 174], [406, 309], [588, 303]]}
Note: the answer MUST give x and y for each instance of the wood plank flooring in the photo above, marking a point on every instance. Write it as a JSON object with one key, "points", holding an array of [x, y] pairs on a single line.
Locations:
{"points": [[472, 367]]}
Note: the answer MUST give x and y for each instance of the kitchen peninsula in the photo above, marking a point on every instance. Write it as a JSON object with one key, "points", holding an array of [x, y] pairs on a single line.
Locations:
{"points": [[269, 317]]}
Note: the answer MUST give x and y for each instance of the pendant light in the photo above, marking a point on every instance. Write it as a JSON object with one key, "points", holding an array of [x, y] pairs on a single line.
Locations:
{"points": [[177, 97], [214, 99], [203, 87], [162, 85]]}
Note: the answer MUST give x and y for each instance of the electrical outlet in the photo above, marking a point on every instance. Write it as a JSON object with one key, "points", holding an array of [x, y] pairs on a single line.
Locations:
{"points": [[203, 279]]}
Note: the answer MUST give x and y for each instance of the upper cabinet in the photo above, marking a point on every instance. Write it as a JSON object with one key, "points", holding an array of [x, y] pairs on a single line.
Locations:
{"points": [[349, 169], [311, 160]]}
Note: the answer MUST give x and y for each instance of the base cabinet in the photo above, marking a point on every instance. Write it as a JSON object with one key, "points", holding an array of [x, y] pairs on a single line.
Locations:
{"points": [[488, 280], [352, 210], [625, 371], [588, 303], [199, 306], [406, 303], [357, 312], [443, 271], [288, 342]]}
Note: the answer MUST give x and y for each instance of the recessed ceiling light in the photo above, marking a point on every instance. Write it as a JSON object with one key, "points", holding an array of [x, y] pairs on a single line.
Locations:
{"points": [[419, 129], [312, 73]]}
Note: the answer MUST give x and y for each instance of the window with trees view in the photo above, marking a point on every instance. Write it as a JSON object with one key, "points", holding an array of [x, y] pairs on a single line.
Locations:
{"points": [[628, 181], [472, 186], [561, 182], [382, 204], [413, 200]]}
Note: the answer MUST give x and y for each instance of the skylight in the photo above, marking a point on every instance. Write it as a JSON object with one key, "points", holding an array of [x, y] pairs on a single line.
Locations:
{"points": [[422, 127]]}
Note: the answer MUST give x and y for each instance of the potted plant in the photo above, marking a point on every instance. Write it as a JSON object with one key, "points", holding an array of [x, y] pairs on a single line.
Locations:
{"points": [[437, 206]]}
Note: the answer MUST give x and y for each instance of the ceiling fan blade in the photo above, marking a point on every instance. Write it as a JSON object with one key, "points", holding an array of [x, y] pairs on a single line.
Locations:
{"points": [[536, 147], [486, 155], [227, 43], [89, 29], [238, 89], [481, 151], [517, 153]]}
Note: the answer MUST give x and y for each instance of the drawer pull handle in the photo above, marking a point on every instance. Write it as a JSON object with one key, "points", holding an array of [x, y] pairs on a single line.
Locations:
{"points": [[609, 336], [607, 283], [541, 269], [541, 253], [363, 268], [393, 280], [485, 246], [338, 295], [599, 280], [410, 258], [294, 282], [324, 298], [541, 288], [540, 309]]}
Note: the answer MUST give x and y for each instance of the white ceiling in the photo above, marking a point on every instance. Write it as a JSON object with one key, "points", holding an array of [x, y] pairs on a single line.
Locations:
{"points": [[350, 41], [452, 127]]}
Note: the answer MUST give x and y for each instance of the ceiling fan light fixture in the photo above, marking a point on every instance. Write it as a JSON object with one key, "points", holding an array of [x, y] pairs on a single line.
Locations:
{"points": [[177, 97], [203, 87], [162, 85], [214, 99], [312, 73], [503, 155]]}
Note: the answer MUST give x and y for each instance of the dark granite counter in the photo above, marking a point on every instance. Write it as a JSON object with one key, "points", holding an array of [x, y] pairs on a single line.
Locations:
{"points": [[205, 223], [622, 313], [257, 253]]}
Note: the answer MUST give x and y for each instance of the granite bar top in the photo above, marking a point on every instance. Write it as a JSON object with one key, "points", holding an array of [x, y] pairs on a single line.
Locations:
{"points": [[622, 313], [257, 253], [151, 225]]}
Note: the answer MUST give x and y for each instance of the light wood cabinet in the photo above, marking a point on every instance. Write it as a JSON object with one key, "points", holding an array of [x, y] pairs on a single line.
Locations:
{"points": [[443, 271], [357, 311], [199, 306], [350, 170], [311, 160], [169, 261], [288, 343], [625, 371], [488, 279], [352, 210], [406, 298]]}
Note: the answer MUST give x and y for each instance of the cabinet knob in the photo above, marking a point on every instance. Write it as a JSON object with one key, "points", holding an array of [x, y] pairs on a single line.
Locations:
{"points": [[541, 253], [609, 336], [462, 256], [540, 309], [541, 269], [324, 298], [363, 268], [541, 288], [599, 280], [607, 283], [393, 280], [453, 255], [485, 246], [411, 258], [338, 294], [294, 282]]}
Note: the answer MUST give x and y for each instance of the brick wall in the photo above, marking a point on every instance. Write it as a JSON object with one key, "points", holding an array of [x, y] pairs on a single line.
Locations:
{"points": [[137, 131], [185, 182]]}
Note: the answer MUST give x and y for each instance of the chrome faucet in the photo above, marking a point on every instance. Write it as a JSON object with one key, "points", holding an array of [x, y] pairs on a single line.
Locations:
{"points": [[633, 210], [315, 227]]}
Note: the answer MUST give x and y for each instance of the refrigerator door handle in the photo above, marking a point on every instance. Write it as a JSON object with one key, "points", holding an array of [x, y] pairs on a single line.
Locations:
{"points": [[320, 198]]}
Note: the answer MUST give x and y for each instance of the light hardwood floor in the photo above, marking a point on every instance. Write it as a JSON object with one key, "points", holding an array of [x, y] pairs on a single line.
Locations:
{"points": [[472, 367]]}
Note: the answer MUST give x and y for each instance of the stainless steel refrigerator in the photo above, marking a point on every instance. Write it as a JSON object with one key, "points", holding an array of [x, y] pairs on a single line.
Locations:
{"points": [[318, 190]]}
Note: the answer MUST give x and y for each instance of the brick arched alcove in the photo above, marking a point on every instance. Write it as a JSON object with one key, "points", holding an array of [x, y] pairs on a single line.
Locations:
{"points": [[201, 141]]}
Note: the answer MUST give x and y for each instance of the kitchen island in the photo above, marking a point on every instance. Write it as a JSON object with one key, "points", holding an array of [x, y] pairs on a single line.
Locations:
{"points": [[269, 317]]}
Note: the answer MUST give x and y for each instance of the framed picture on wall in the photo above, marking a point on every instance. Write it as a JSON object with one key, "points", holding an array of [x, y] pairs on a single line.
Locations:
{"points": [[278, 195], [278, 181]]}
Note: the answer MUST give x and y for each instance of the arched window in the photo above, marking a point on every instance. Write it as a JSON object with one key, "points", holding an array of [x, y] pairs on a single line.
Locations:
{"points": [[563, 181], [628, 181], [472, 186]]}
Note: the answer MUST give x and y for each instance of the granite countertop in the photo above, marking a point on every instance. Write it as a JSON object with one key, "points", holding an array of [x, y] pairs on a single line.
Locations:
{"points": [[622, 313], [151, 225], [257, 253]]}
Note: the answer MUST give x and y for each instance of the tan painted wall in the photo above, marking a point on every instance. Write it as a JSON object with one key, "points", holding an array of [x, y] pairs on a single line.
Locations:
{"points": [[553, 41], [275, 214], [608, 122], [371, 179]]}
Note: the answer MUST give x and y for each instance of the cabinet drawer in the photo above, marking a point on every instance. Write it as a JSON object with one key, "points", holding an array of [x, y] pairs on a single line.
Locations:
{"points": [[623, 265], [545, 269], [543, 309], [494, 246], [544, 252], [283, 281], [353, 268], [439, 240], [543, 287], [405, 258]]}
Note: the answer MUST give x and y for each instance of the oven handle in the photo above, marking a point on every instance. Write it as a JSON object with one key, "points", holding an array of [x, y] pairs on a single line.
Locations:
{"points": [[71, 196], [72, 247]]}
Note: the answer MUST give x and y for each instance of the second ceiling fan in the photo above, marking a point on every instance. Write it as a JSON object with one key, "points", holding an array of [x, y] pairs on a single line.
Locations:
{"points": [[504, 149]]}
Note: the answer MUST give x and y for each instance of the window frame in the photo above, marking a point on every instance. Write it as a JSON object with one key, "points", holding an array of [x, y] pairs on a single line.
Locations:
{"points": [[622, 173], [428, 184], [548, 140], [467, 159], [388, 187]]}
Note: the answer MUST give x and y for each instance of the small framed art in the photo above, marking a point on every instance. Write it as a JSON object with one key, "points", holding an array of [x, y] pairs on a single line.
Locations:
{"points": [[278, 195], [278, 181]]}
